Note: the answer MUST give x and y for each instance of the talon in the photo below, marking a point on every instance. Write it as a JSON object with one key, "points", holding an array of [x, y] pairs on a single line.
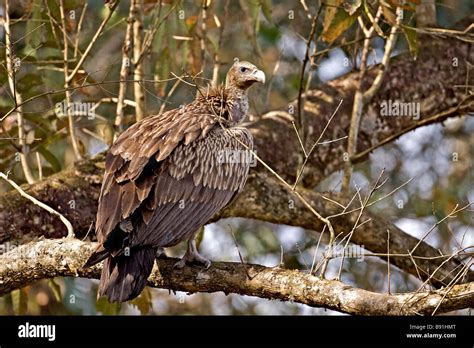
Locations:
{"points": [[192, 256]]}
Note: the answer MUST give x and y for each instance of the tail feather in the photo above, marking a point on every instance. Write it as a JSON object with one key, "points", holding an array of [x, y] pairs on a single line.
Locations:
{"points": [[99, 254], [124, 277]]}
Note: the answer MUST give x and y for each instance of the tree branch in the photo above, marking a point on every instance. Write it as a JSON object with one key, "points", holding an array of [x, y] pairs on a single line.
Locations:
{"points": [[52, 258]]}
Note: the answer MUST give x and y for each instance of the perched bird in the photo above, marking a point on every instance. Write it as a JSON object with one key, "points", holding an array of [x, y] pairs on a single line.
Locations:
{"points": [[165, 177]]}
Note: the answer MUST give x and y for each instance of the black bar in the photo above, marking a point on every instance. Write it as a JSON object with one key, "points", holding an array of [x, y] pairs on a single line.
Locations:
{"points": [[263, 331]]}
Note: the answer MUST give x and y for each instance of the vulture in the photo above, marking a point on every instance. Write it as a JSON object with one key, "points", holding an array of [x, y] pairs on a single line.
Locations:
{"points": [[165, 177]]}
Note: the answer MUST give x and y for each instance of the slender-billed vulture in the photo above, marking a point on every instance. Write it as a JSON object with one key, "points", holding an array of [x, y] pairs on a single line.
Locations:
{"points": [[166, 176]]}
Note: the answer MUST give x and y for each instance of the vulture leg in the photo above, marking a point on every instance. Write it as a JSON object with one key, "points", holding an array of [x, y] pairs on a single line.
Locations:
{"points": [[192, 256]]}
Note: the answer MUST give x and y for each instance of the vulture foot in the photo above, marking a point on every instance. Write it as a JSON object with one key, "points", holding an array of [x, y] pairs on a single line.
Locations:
{"points": [[192, 256]]}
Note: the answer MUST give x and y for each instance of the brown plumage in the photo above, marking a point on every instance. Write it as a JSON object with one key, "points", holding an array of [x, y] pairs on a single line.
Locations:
{"points": [[165, 177]]}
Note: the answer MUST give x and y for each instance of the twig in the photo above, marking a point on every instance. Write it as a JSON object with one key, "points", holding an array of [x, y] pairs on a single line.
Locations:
{"points": [[17, 97], [240, 255], [450, 286], [79, 27], [168, 96], [358, 103], [202, 43], [281, 264], [221, 26], [450, 215], [70, 230], [424, 122], [93, 40], [306, 9], [302, 257], [363, 206], [389, 45], [72, 88], [388, 260], [298, 176], [137, 26], [313, 270], [150, 35], [40, 167], [70, 116], [301, 143], [300, 115], [124, 69]]}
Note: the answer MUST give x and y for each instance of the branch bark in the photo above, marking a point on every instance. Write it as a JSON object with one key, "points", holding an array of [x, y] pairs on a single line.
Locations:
{"points": [[52, 258]]}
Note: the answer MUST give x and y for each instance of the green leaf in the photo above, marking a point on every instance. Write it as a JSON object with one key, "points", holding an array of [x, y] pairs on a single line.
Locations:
{"points": [[412, 39], [48, 156], [337, 19]]}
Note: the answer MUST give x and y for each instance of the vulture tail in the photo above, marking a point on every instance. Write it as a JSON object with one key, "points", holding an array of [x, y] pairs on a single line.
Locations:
{"points": [[124, 277]]}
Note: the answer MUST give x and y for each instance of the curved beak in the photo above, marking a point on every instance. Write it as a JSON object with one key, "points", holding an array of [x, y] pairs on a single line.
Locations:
{"points": [[259, 75]]}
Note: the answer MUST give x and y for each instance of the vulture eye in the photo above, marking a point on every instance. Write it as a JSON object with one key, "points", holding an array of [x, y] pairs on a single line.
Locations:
{"points": [[243, 69]]}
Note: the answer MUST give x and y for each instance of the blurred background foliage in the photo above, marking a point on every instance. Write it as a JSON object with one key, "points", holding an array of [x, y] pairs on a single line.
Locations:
{"points": [[272, 34]]}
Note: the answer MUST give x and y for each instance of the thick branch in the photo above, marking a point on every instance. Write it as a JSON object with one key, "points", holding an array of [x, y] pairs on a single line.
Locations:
{"points": [[52, 258]]}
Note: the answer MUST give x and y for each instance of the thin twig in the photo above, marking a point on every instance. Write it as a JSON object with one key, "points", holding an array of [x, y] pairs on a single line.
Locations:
{"points": [[70, 116], [298, 176], [72, 88], [363, 206], [358, 104], [17, 97], [40, 167], [240, 255], [388, 260], [70, 230], [93, 41], [168, 96], [79, 27], [300, 115], [137, 27], [221, 26], [202, 43], [124, 70], [150, 35]]}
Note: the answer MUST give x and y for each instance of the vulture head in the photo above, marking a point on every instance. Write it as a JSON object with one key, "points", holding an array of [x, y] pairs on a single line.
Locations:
{"points": [[243, 75]]}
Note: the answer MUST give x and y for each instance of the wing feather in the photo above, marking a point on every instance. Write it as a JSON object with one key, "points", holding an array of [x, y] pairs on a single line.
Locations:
{"points": [[166, 174], [127, 183]]}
